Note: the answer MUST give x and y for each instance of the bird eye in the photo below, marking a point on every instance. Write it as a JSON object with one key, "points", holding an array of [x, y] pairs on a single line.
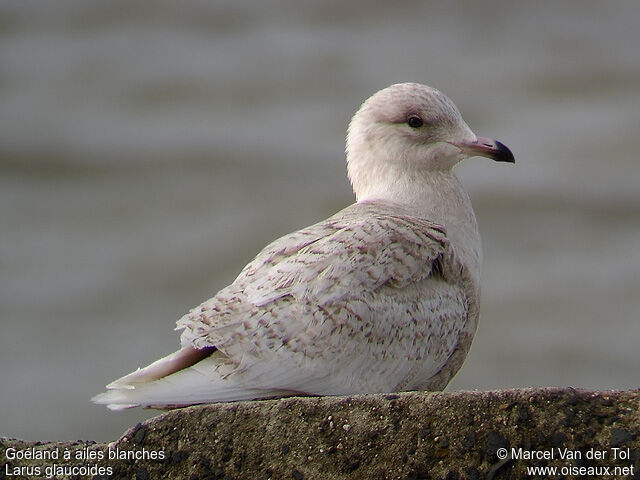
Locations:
{"points": [[415, 121]]}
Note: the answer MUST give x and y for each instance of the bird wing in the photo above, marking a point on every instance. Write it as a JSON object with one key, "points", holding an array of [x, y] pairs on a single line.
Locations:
{"points": [[367, 300]]}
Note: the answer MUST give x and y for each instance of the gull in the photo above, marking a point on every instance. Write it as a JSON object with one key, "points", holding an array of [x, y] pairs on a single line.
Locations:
{"points": [[383, 296]]}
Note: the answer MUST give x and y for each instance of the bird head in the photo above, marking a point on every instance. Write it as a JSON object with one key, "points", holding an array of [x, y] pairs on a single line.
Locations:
{"points": [[410, 129]]}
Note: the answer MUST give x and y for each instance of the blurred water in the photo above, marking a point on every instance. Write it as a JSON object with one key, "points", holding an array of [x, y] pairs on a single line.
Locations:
{"points": [[149, 150]]}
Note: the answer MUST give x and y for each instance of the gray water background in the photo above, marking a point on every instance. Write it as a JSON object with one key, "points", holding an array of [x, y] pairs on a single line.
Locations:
{"points": [[148, 150]]}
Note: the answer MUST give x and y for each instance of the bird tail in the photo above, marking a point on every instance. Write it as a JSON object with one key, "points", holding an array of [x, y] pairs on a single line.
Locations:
{"points": [[186, 377]]}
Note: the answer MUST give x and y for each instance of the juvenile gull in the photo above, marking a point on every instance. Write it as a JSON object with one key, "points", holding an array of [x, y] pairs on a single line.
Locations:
{"points": [[381, 297]]}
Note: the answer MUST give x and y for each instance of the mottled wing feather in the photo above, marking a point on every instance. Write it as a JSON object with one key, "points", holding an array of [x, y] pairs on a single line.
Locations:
{"points": [[350, 257], [370, 299]]}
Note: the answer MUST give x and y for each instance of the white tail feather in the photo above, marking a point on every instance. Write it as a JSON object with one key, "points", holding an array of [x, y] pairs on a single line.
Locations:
{"points": [[202, 382]]}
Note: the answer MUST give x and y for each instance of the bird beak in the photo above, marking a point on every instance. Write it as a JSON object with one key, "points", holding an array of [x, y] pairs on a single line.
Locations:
{"points": [[487, 147]]}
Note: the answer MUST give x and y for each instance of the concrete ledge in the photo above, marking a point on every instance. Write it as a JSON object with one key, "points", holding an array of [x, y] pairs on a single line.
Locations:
{"points": [[414, 435]]}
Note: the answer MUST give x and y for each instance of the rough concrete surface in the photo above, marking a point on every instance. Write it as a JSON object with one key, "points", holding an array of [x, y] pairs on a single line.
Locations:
{"points": [[415, 435]]}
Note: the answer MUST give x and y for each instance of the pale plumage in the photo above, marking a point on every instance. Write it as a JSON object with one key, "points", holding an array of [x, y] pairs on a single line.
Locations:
{"points": [[383, 296]]}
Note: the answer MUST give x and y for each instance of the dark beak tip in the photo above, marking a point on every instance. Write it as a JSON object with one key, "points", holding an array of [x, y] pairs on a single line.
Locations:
{"points": [[503, 153]]}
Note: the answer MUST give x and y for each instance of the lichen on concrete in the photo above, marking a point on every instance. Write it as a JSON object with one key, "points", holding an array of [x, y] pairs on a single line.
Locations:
{"points": [[416, 435]]}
